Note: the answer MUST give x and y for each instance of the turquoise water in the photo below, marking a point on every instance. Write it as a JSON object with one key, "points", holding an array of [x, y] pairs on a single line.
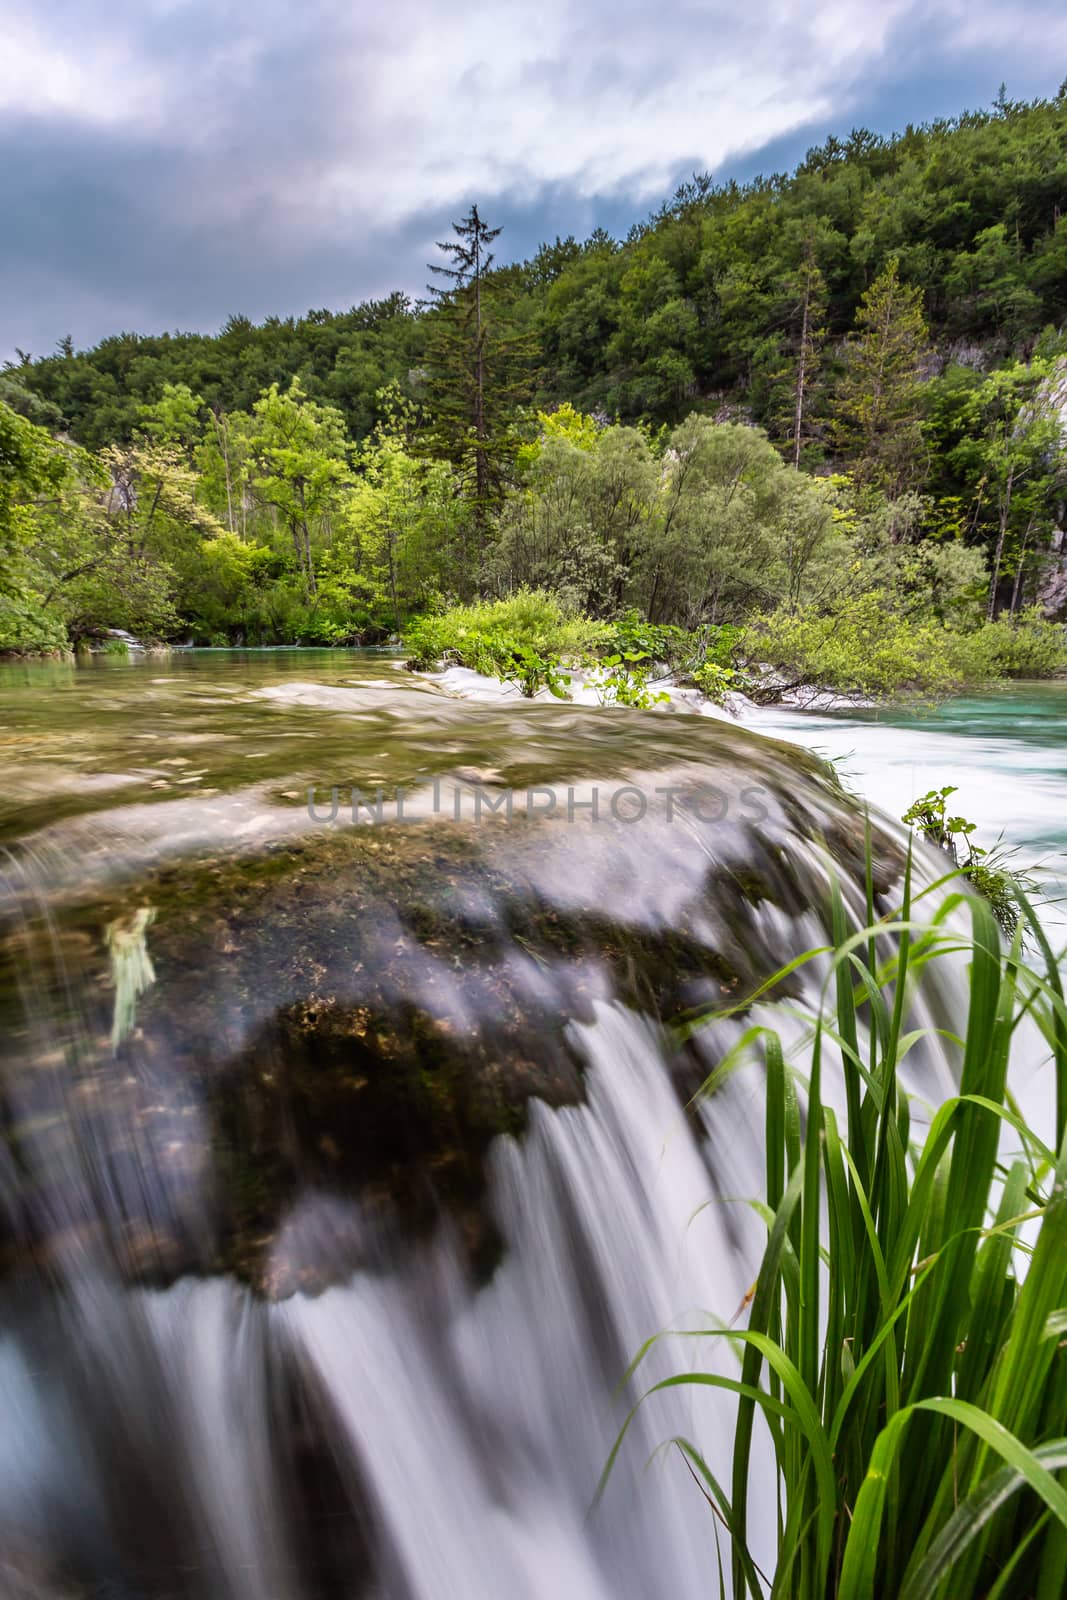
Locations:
{"points": [[1006, 753]]}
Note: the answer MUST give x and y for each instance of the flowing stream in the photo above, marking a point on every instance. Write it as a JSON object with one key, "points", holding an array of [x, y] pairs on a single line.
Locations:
{"points": [[345, 1167]]}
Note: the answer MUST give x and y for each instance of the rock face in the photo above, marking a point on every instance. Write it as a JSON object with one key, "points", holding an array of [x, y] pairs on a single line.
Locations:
{"points": [[1051, 594], [359, 1013]]}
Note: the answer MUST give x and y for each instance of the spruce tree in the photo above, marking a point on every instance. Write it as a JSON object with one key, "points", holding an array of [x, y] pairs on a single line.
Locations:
{"points": [[478, 367], [878, 399]]}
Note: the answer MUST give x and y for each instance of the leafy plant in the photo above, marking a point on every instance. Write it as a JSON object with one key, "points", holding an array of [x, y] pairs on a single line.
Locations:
{"points": [[718, 681], [659, 641], [485, 636], [862, 647], [623, 680], [1026, 647], [989, 871], [532, 672]]}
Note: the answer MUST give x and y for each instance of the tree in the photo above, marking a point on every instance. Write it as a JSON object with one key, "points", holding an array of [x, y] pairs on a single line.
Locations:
{"points": [[733, 527], [142, 536], [300, 453], [998, 453], [878, 403], [37, 475], [1020, 455], [579, 518], [804, 291], [987, 291], [400, 530], [174, 419], [478, 366]]}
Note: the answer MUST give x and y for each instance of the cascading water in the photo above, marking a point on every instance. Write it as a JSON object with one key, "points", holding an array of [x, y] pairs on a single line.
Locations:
{"points": [[346, 1170]]}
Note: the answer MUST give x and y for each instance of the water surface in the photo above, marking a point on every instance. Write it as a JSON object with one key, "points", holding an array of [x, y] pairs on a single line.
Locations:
{"points": [[345, 1168]]}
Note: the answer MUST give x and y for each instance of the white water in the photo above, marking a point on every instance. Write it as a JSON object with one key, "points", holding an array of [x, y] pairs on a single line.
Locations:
{"points": [[473, 1429], [1006, 758], [147, 1436], [476, 1427]]}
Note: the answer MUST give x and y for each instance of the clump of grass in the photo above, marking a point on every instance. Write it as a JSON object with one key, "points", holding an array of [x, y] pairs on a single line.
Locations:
{"points": [[907, 1328]]}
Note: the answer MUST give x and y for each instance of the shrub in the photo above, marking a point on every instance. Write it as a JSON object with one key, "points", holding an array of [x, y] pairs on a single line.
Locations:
{"points": [[991, 872], [487, 636], [659, 641], [1029, 647], [27, 627], [717, 681], [626, 680], [864, 648]]}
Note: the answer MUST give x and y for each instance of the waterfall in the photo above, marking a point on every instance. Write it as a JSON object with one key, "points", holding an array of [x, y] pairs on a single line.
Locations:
{"points": [[341, 1188], [455, 1436]]}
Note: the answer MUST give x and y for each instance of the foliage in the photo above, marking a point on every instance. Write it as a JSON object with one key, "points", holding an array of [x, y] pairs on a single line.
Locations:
{"points": [[718, 681], [731, 528], [904, 1338], [579, 517], [659, 641], [402, 530], [990, 872], [998, 463], [878, 402], [502, 637], [37, 476], [1028, 646], [862, 646], [477, 363], [300, 460], [625, 679], [703, 300], [608, 422], [531, 670]]}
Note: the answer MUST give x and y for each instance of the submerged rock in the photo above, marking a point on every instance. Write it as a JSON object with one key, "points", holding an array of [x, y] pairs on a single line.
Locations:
{"points": [[357, 1013]]}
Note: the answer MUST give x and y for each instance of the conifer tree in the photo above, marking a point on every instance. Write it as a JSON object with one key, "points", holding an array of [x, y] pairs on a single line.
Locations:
{"points": [[878, 400], [478, 367]]}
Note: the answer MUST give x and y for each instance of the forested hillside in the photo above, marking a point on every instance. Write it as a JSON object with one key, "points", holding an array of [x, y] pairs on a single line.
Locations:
{"points": [[777, 399]]}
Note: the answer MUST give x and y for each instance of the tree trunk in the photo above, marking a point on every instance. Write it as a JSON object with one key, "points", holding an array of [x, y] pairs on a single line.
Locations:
{"points": [[1017, 587], [392, 579], [222, 429], [294, 529], [802, 369], [1005, 514], [308, 564]]}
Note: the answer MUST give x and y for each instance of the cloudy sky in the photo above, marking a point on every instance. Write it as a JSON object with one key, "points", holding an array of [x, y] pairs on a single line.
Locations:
{"points": [[164, 163]]}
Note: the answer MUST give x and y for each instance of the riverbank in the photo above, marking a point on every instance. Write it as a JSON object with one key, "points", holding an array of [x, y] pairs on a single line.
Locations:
{"points": [[586, 687]]}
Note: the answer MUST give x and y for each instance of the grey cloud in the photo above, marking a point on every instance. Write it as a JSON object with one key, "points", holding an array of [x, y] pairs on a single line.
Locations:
{"points": [[270, 158]]}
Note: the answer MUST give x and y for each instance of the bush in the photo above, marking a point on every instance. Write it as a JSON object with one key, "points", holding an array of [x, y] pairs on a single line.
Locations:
{"points": [[1030, 647], [658, 641], [28, 628], [865, 649], [490, 637], [993, 873], [626, 680]]}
